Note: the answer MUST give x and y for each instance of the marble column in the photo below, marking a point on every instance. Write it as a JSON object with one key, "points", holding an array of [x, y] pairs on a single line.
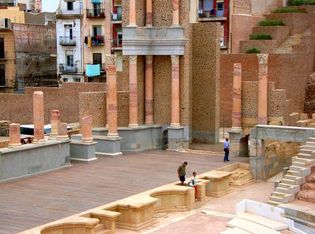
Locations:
{"points": [[148, 13], [62, 132], [54, 121], [175, 112], [237, 97], [38, 116], [149, 90], [263, 89], [132, 13], [14, 135], [86, 129], [175, 12], [110, 61], [133, 92]]}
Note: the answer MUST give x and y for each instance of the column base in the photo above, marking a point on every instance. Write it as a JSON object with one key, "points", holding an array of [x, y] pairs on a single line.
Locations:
{"points": [[108, 145], [62, 138], [52, 137], [87, 140], [175, 138], [14, 145], [81, 151], [133, 126]]}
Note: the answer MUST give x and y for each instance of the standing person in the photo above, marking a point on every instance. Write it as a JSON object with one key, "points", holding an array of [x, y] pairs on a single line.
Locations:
{"points": [[181, 172], [226, 150], [193, 183]]}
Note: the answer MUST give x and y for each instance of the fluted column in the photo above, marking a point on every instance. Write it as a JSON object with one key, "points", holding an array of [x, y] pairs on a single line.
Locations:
{"points": [[132, 12], [133, 92], [86, 129], [38, 116], [175, 122], [237, 97], [112, 94], [14, 135], [54, 121], [263, 89], [175, 12], [149, 13], [149, 90]]}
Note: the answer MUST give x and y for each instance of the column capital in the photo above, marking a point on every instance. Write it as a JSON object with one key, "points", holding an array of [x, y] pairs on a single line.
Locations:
{"points": [[175, 59], [237, 69], [148, 59], [133, 59], [263, 58]]}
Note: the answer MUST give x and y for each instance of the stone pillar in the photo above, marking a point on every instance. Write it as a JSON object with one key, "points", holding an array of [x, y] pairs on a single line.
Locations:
{"points": [[62, 132], [237, 97], [54, 121], [175, 122], [175, 12], [14, 135], [86, 129], [112, 95], [148, 13], [132, 13], [38, 116], [133, 92], [262, 89], [149, 90]]}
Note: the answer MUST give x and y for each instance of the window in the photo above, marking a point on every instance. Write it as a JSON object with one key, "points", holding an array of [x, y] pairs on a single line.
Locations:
{"points": [[220, 6], [69, 58], [2, 75], [68, 31], [70, 6], [77, 80], [97, 31], [97, 58], [2, 54]]}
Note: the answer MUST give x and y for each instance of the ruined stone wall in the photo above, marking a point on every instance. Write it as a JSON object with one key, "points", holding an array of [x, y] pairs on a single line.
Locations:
{"points": [[18, 107], [206, 67]]}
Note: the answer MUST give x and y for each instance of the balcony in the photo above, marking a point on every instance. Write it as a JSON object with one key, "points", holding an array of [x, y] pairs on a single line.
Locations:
{"points": [[117, 45], [116, 18], [64, 13], [67, 41], [95, 13], [97, 41], [65, 69], [211, 15]]}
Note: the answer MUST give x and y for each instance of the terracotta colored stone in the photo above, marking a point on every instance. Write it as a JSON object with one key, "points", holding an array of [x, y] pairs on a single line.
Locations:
{"points": [[14, 134], [262, 88], [62, 131], [38, 115], [148, 13], [132, 12], [111, 95], [54, 121], [175, 122], [86, 129], [175, 12], [237, 97], [149, 90], [133, 93]]}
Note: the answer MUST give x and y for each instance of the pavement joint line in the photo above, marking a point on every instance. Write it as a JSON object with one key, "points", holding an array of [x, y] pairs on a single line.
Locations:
{"points": [[218, 214]]}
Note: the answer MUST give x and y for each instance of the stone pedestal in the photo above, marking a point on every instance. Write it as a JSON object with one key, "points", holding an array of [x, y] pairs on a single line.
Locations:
{"points": [[176, 138], [62, 132], [86, 129], [14, 135], [107, 146], [54, 121], [218, 183], [235, 135], [81, 151]]}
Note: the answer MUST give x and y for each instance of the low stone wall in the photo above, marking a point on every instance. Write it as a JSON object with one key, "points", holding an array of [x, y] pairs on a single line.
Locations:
{"points": [[32, 159], [265, 46]]}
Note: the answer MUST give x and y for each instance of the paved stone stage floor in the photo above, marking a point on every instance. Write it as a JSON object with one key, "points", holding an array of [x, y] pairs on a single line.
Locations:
{"points": [[33, 201]]}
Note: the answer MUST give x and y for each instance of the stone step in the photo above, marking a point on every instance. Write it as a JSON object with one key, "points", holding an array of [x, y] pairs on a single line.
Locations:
{"points": [[288, 181], [305, 151], [311, 139], [295, 173], [307, 147], [274, 203], [306, 155], [300, 164], [297, 179], [278, 199], [310, 143], [305, 171], [293, 189], [250, 226], [285, 198], [235, 231], [282, 190], [269, 223], [303, 160]]}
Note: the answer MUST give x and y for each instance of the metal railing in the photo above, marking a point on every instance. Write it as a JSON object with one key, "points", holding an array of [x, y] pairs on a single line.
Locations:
{"points": [[76, 11], [97, 41], [95, 13], [65, 69], [116, 17], [67, 41]]}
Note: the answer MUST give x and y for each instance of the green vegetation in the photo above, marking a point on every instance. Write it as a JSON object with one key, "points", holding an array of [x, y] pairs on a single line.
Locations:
{"points": [[300, 2], [260, 37], [288, 10], [253, 50], [271, 23]]}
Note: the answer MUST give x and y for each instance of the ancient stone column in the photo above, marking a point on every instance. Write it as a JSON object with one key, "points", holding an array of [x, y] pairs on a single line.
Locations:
{"points": [[86, 129], [110, 61], [62, 132], [149, 13], [54, 121], [132, 13], [14, 135], [175, 12], [175, 122], [133, 92], [237, 97], [262, 88], [38, 115], [149, 90]]}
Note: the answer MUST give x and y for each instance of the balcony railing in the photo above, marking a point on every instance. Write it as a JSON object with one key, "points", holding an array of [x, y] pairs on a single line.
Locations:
{"points": [[211, 15], [65, 69], [67, 41], [116, 17], [76, 11], [117, 44], [95, 13], [97, 41]]}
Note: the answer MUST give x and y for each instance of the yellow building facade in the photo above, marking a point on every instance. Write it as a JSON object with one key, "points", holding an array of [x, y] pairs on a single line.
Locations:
{"points": [[14, 14]]}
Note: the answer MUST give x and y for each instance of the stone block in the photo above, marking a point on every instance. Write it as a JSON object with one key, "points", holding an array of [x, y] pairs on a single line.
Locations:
{"points": [[107, 146], [218, 183], [175, 138], [293, 118], [81, 151]]}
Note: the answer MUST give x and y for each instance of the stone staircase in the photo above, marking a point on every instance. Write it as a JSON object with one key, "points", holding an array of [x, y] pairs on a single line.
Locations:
{"points": [[287, 46], [291, 183]]}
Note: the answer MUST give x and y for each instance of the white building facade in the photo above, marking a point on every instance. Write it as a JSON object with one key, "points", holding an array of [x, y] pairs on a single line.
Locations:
{"points": [[70, 41]]}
